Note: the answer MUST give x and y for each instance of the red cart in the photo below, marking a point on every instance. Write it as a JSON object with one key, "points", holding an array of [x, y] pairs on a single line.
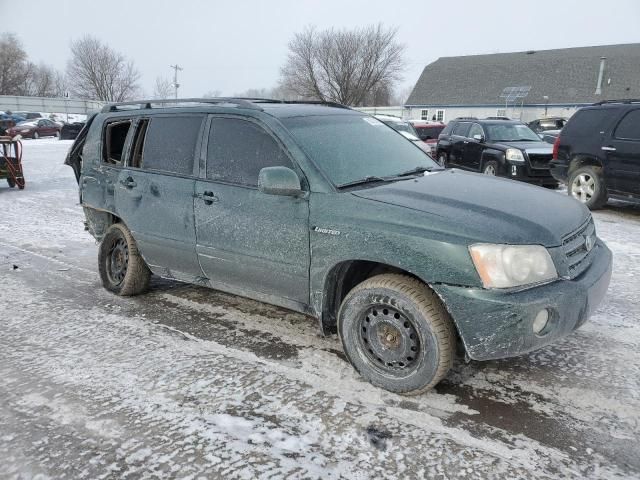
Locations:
{"points": [[11, 161]]}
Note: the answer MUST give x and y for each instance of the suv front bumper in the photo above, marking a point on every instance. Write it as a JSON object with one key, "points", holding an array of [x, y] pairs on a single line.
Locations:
{"points": [[498, 324], [525, 173]]}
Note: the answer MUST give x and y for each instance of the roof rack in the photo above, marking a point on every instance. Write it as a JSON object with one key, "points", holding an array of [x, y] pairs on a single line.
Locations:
{"points": [[466, 118], [624, 100], [240, 102], [145, 104]]}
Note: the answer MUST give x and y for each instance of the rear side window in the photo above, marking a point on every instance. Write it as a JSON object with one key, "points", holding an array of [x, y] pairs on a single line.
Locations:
{"points": [[586, 123], [462, 129], [447, 129], [170, 144], [239, 149], [629, 126], [115, 136]]}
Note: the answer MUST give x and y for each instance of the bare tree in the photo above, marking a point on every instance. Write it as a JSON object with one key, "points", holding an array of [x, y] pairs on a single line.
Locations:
{"points": [[163, 88], [14, 66], [97, 72], [344, 66]]}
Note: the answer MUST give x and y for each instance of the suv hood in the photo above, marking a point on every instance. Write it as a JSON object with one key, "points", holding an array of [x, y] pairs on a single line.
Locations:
{"points": [[485, 209], [533, 147]]}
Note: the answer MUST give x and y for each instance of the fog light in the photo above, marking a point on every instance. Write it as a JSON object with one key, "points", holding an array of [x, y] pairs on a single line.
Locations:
{"points": [[541, 321]]}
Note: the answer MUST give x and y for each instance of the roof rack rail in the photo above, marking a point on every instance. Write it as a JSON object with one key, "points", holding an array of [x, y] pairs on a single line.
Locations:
{"points": [[298, 102], [466, 118], [241, 102], [147, 104], [623, 100]]}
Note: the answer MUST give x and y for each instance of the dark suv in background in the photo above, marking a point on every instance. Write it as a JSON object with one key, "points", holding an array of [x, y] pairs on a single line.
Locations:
{"points": [[598, 153], [505, 148]]}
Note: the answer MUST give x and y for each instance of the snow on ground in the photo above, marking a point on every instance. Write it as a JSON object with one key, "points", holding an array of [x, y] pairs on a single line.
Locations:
{"points": [[187, 382]]}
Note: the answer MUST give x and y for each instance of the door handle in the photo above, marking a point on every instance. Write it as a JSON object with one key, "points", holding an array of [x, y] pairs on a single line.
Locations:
{"points": [[608, 149], [207, 197], [128, 182]]}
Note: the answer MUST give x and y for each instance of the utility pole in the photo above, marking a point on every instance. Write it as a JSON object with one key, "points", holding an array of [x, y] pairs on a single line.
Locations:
{"points": [[176, 67]]}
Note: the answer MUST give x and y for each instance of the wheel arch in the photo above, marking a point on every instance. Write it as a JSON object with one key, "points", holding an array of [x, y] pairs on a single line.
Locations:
{"points": [[581, 160]]}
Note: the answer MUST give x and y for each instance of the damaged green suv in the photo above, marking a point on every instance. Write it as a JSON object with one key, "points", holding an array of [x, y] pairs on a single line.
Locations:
{"points": [[324, 210]]}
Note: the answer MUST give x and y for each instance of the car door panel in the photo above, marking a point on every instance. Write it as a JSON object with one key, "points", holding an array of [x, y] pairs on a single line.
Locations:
{"points": [[154, 193], [623, 154], [248, 240]]}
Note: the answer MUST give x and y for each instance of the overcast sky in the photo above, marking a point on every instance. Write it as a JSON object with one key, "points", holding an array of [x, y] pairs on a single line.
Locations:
{"points": [[234, 45]]}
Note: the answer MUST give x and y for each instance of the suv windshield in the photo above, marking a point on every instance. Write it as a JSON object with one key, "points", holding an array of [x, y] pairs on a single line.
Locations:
{"points": [[350, 147], [510, 132]]}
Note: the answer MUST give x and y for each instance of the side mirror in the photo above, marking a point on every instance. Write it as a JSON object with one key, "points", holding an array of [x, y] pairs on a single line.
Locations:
{"points": [[478, 137], [279, 181]]}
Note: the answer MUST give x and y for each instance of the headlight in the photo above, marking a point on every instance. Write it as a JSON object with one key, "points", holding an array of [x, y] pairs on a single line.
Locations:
{"points": [[504, 266], [514, 155]]}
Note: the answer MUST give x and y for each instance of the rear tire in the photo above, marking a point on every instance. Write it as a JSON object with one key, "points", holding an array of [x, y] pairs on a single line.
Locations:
{"points": [[397, 334], [123, 271], [587, 186]]}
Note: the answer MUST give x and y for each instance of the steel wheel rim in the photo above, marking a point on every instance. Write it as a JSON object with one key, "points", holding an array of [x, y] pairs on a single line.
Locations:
{"points": [[442, 160], [118, 261], [583, 187], [389, 340], [490, 170]]}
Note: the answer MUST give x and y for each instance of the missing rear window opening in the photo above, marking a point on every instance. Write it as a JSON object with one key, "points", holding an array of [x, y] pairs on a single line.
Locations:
{"points": [[138, 143], [114, 138]]}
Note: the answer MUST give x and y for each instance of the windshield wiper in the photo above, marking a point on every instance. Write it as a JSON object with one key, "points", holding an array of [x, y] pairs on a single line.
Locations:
{"points": [[414, 171], [362, 181]]}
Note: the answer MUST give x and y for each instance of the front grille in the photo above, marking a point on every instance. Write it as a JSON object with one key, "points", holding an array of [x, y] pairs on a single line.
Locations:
{"points": [[540, 161], [575, 249]]}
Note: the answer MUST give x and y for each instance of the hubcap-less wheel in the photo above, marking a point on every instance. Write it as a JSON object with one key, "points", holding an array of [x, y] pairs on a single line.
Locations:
{"points": [[118, 261], [35, 135], [389, 340], [583, 187], [490, 170], [442, 160]]}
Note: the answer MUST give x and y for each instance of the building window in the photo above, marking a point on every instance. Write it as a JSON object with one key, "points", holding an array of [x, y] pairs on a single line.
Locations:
{"points": [[424, 115], [440, 116], [501, 112]]}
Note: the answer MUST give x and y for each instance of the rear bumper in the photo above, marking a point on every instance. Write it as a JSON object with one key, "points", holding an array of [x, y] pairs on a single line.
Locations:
{"points": [[498, 324], [559, 170]]}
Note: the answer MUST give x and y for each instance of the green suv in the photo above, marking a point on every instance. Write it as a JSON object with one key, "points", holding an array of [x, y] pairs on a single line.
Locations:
{"points": [[326, 211]]}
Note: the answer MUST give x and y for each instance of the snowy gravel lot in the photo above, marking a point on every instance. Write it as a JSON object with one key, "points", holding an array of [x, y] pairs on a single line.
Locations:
{"points": [[186, 382]]}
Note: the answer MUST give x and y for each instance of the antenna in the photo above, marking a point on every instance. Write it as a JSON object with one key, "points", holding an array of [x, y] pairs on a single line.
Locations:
{"points": [[176, 67]]}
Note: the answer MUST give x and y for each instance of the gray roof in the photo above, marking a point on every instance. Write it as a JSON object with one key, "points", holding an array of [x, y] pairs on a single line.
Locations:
{"points": [[566, 76]]}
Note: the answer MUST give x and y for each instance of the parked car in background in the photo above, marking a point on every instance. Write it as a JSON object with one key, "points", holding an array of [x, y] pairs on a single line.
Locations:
{"points": [[505, 148], [549, 136], [597, 154], [549, 123], [35, 129], [29, 115], [69, 131], [425, 147], [5, 125], [428, 132], [323, 210], [398, 124]]}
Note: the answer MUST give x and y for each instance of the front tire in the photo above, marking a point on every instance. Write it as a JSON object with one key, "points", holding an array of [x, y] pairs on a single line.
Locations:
{"points": [[490, 168], [397, 334], [587, 186], [123, 271], [36, 135]]}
